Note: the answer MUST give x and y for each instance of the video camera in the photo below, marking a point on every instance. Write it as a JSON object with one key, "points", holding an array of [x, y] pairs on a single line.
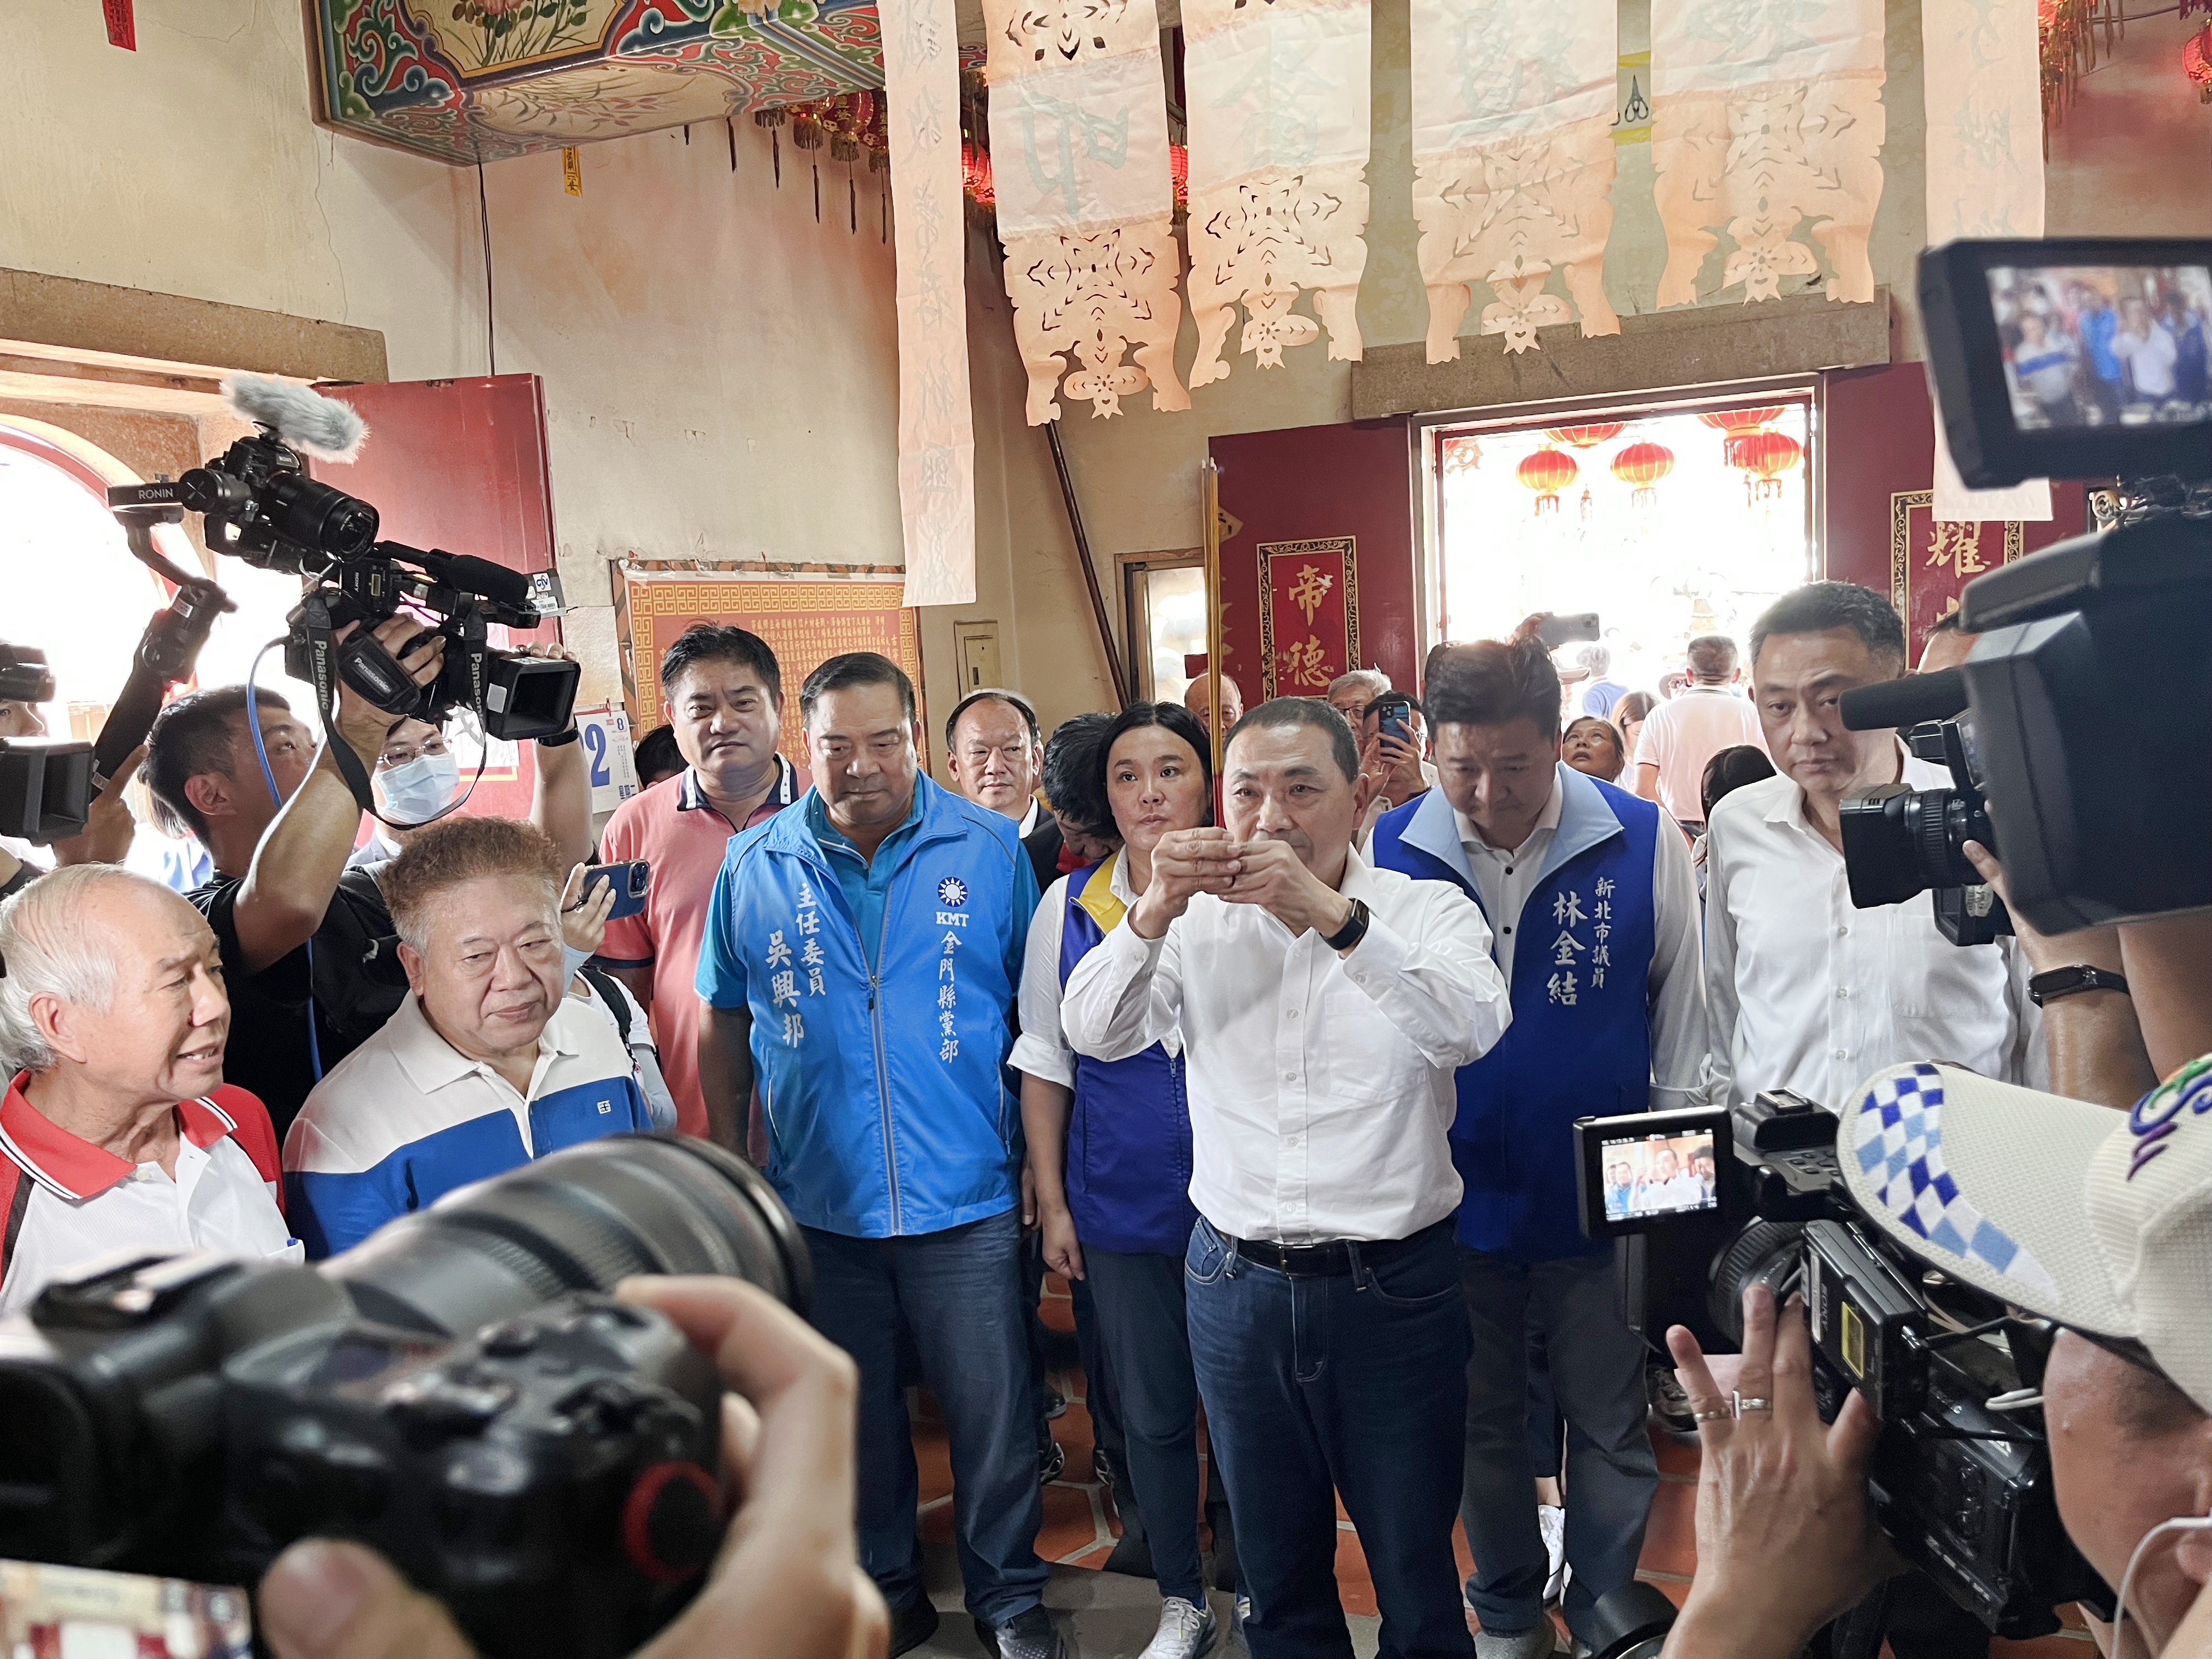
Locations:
{"points": [[1960, 1479], [45, 783], [457, 1392], [2077, 734], [259, 505]]}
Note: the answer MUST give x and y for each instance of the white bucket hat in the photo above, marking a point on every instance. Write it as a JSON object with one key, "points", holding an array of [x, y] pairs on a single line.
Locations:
{"points": [[2096, 1219]]}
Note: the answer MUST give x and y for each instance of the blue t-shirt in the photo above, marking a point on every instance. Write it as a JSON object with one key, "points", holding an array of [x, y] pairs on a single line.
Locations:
{"points": [[1600, 695]]}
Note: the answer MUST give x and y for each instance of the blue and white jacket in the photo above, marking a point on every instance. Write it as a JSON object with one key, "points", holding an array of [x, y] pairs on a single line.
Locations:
{"points": [[1580, 1043], [887, 1114], [406, 1118]]}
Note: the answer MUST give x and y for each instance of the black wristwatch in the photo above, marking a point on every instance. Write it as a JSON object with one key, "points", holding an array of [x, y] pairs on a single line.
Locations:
{"points": [[2069, 982], [1353, 930], [560, 739]]}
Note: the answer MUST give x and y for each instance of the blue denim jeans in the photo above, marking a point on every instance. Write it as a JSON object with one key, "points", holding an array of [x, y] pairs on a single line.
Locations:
{"points": [[960, 1291], [1596, 1363], [1354, 1385]]}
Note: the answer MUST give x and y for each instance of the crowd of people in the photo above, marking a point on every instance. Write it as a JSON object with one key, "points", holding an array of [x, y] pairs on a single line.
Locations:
{"points": [[1254, 1053]]}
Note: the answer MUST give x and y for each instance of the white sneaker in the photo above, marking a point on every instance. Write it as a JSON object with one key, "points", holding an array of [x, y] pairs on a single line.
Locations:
{"points": [[1552, 1522], [1187, 1631], [1540, 1642]]}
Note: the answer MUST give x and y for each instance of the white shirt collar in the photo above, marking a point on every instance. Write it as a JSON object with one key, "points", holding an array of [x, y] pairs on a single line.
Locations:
{"points": [[431, 1062], [1546, 822], [1031, 818]]}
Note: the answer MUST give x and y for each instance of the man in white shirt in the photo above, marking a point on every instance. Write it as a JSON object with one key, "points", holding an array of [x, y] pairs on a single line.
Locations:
{"points": [[1804, 990], [1608, 1017], [1324, 1007], [1685, 731], [117, 1131]]}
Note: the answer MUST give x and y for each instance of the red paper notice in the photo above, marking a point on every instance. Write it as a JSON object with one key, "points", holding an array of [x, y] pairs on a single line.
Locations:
{"points": [[122, 26]]}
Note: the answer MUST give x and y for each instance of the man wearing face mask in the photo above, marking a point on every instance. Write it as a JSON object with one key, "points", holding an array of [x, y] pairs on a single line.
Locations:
{"points": [[416, 777]]}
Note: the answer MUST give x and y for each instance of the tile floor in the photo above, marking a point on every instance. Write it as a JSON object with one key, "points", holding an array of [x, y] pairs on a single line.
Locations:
{"points": [[1111, 1617]]}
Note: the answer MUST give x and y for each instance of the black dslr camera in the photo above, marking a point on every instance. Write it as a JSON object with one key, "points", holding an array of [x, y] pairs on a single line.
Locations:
{"points": [[46, 784], [457, 1392], [1961, 1475], [260, 504]]}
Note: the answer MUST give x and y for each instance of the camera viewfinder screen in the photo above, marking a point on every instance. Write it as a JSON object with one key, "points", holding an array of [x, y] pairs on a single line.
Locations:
{"points": [[2104, 345], [1659, 1174]]}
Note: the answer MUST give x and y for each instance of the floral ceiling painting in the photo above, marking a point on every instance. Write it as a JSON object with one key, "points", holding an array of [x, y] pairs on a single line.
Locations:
{"points": [[468, 81]]}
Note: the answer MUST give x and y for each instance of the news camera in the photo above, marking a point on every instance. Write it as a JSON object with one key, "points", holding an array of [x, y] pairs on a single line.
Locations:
{"points": [[259, 504], [45, 783], [1960, 1479], [2076, 732], [458, 1392]]}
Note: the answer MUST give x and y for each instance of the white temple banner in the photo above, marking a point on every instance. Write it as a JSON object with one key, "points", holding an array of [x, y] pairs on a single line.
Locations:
{"points": [[1984, 96], [1085, 203], [1766, 113], [1277, 99], [1513, 159], [937, 432]]}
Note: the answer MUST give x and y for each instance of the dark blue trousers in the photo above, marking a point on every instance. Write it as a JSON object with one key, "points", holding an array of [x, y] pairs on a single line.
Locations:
{"points": [[1138, 1304], [960, 1291], [1355, 1385]]}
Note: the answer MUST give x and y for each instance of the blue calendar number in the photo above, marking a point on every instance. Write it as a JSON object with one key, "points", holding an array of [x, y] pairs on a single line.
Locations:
{"points": [[595, 744]]}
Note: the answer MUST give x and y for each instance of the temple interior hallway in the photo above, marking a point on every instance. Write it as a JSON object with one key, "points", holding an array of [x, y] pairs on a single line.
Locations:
{"points": [[1108, 1616]]}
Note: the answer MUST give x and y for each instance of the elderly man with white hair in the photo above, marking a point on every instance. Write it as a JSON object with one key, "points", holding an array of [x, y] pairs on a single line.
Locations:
{"points": [[485, 1066], [118, 1131], [1349, 694]]}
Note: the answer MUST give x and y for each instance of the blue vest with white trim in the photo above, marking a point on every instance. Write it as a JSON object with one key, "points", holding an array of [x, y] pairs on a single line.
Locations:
{"points": [[1129, 1141], [1580, 1043]]}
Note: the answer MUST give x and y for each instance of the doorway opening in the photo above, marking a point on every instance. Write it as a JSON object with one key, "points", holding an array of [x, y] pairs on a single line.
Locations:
{"points": [[1668, 518]]}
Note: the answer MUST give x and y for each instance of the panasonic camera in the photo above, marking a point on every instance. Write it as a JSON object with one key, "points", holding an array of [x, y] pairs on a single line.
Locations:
{"points": [[2076, 732], [1960, 1479], [458, 1392], [259, 505]]}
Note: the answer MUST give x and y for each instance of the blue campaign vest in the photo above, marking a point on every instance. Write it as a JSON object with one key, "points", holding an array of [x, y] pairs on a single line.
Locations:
{"points": [[1128, 1142], [886, 1116], [1580, 1043]]}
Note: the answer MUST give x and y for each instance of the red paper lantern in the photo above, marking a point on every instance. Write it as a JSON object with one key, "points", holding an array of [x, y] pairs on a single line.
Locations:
{"points": [[1734, 425], [1769, 454], [1179, 172], [1547, 472], [1644, 464], [1586, 437], [975, 172]]}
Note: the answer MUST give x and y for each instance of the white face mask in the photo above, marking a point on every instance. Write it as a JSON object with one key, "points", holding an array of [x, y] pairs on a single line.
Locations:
{"points": [[414, 789]]}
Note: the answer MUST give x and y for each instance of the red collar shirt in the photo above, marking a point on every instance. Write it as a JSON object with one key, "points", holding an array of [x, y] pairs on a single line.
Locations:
{"points": [[66, 1201]]}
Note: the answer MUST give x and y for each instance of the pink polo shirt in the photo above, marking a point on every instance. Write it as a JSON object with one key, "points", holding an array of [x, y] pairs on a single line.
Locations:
{"points": [[683, 835]]}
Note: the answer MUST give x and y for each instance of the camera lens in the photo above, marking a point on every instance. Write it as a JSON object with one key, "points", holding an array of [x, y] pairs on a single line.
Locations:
{"points": [[581, 1219], [1765, 1253], [315, 515]]}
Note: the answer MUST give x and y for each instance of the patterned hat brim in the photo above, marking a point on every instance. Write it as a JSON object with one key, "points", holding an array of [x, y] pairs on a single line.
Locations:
{"points": [[1985, 1181]]}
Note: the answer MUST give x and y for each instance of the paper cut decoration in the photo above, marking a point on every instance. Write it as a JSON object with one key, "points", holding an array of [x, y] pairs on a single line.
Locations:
{"points": [[1767, 113], [1085, 202], [1276, 92], [1983, 84], [937, 432], [1513, 156]]}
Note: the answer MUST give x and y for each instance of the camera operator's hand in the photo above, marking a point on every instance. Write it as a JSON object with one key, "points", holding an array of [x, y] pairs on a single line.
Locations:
{"points": [[1786, 1539], [109, 826], [362, 725], [2092, 947], [788, 1584], [1273, 876], [1186, 862]]}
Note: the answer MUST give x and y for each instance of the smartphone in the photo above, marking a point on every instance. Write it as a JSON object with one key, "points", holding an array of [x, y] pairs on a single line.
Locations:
{"points": [[1394, 718], [1556, 630], [630, 881]]}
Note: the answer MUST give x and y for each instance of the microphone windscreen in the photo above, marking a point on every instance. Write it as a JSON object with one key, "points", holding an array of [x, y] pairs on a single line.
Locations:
{"points": [[1906, 701], [302, 418]]}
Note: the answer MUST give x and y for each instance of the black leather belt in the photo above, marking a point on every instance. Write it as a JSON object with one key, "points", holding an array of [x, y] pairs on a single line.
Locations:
{"points": [[1330, 1260]]}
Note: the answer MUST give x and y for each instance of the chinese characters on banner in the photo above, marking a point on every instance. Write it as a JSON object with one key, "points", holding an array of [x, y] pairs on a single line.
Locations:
{"points": [[1765, 113], [1277, 102], [1085, 202], [1580, 964], [1308, 615], [1983, 78], [937, 431], [1930, 559], [1513, 159], [805, 623]]}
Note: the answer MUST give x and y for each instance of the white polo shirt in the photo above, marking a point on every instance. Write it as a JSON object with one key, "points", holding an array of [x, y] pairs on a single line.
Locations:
{"points": [[66, 1201], [407, 1117]]}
